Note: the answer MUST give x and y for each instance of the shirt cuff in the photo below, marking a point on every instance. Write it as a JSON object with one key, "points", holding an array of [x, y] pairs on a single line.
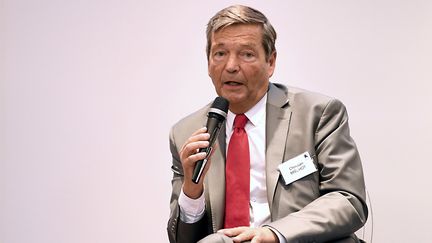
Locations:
{"points": [[279, 235], [191, 210]]}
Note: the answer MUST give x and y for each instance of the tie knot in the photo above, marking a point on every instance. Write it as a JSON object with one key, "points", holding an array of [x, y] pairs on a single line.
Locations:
{"points": [[240, 121]]}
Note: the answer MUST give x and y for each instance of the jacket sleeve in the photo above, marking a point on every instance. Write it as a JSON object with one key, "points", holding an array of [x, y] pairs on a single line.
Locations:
{"points": [[178, 231], [340, 209]]}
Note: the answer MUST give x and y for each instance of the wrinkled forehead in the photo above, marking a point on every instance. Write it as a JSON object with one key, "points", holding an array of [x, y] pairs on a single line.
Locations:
{"points": [[238, 36], [241, 33]]}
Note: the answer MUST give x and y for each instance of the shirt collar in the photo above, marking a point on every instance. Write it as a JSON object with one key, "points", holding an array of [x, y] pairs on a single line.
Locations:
{"points": [[255, 115]]}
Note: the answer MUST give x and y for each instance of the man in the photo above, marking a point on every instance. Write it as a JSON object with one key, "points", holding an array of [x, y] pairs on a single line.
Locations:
{"points": [[288, 131]]}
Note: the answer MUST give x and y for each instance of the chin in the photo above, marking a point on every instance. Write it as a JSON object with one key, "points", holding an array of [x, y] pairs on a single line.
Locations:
{"points": [[236, 102]]}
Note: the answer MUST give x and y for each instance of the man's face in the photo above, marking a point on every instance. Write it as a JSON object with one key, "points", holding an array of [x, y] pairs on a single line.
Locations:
{"points": [[238, 67]]}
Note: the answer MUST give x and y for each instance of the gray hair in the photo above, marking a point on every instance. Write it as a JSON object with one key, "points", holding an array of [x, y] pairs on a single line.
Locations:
{"points": [[238, 14]]}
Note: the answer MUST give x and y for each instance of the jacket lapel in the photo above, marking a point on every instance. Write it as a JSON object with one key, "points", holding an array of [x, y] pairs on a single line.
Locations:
{"points": [[215, 182], [278, 117]]}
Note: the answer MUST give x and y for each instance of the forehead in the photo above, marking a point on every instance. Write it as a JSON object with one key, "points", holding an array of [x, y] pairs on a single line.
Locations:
{"points": [[243, 34]]}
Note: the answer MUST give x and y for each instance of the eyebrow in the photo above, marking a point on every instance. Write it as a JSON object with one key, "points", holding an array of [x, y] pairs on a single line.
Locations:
{"points": [[249, 45]]}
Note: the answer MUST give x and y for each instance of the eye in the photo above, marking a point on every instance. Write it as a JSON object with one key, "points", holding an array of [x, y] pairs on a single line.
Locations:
{"points": [[248, 55], [219, 54]]}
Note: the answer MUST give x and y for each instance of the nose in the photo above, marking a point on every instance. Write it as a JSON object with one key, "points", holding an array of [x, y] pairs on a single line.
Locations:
{"points": [[232, 65]]}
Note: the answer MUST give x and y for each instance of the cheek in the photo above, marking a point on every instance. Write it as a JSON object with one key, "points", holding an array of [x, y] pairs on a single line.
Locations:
{"points": [[254, 75], [214, 73], [257, 80]]}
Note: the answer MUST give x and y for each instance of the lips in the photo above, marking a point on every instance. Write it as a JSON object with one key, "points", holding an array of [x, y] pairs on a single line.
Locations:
{"points": [[233, 83]]}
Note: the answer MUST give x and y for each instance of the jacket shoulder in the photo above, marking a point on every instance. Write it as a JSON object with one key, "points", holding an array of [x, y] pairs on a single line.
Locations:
{"points": [[197, 117], [301, 98], [307, 96], [184, 128]]}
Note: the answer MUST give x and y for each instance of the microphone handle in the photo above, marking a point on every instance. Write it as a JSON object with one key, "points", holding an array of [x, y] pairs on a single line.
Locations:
{"points": [[213, 126], [200, 165]]}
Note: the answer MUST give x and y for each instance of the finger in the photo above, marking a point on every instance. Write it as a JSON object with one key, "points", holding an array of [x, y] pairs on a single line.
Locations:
{"points": [[199, 135], [195, 157], [264, 234], [231, 232], [247, 234], [193, 147], [200, 130]]}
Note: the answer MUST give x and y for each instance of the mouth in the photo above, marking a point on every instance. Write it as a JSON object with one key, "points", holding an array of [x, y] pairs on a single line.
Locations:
{"points": [[233, 83]]}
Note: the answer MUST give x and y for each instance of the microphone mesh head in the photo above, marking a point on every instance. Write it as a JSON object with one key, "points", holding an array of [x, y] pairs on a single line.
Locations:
{"points": [[220, 103]]}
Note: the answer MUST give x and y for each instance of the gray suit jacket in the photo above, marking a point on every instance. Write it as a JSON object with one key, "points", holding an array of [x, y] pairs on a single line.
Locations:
{"points": [[326, 205]]}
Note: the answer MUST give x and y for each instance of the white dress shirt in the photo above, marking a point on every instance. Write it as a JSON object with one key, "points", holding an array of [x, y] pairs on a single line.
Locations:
{"points": [[255, 129], [192, 210]]}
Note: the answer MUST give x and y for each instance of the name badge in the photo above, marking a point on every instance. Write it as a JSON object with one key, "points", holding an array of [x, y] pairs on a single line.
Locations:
{"points": [[297, 167]]}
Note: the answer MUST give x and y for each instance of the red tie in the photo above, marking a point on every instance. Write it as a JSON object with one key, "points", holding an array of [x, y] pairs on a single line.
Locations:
{"points": [[237, 191]]}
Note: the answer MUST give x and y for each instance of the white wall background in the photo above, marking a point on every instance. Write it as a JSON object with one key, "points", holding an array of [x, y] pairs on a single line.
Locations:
{"points": [[89, 90]]}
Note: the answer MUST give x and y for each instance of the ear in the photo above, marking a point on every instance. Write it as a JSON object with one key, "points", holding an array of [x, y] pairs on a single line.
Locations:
{"points": [[208, 66], [272, 63]]}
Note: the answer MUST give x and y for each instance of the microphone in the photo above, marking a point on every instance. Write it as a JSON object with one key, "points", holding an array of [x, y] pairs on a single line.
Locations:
{"points": [[216, 117]]}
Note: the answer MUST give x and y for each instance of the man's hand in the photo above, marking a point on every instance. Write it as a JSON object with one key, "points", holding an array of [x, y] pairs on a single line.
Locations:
{"points": [[189, 155], [255, 235]]}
